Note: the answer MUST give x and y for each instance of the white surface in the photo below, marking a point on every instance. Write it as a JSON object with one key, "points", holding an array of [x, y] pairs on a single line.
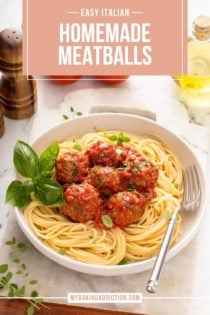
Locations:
{"points": [[182, 276], [187, 275], [136, 125]]}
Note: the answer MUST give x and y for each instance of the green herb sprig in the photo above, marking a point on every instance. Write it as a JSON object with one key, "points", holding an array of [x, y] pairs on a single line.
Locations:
{"points": [[38, 171], [120, 138], [168, 215], [19, 268], [65, 117], [124, 261], [77, 147], [62, 251], [107, 221], [176, 185], [75, 112]]}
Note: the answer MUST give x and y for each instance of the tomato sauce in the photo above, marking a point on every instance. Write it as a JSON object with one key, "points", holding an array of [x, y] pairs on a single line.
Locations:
{"points": [[107, 179]]}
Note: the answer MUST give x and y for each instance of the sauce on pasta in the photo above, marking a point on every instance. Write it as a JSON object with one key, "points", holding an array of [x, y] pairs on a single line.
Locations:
{"points": [[144, 202]]}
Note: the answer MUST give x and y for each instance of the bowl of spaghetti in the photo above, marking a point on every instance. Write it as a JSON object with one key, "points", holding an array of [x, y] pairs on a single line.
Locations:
{"points": [[122, 180]]}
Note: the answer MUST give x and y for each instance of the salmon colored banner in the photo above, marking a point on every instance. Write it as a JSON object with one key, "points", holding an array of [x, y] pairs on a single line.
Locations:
{"points": [[92, 37]]}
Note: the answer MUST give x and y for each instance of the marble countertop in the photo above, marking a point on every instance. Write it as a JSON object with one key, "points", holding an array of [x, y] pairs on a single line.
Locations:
{"points": [[186, 294], [50, 96]]}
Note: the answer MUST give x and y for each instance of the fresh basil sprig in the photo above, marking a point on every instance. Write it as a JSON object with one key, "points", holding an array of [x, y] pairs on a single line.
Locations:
{"points": [[25, 160], [48, 192], [48, 158], [19, 194], [120, 138], [15, 267], [39, 171], [77, 147]]}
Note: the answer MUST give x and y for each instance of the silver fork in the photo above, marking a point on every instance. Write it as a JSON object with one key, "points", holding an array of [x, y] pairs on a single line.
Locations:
{"points": [[191, 198]]}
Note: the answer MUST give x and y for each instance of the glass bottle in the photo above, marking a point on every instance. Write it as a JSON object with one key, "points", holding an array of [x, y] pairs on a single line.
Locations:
{"points": [[194, 88]]}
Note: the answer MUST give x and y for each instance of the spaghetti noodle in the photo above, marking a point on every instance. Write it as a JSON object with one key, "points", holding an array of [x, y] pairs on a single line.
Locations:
{"points": [[137, 242]]}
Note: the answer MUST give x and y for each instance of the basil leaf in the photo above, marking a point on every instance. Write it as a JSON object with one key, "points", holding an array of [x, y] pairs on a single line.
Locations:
{"points": [[21, 291], [126, 139], [25, 160], [23, 266], [22, 247], [11, 242], [168, 215], [120, 136], [34, 293], [48, 192], [107, 220], [30, 309], [62, 251], [46, 174], [19, 272], [8, 276], [19, 194], [77, 147], [112, 138], [65, 117], [124, 261], [10, 293], [48, 157], [3, 268], [33, 282], [119, 141], [13, 286]]}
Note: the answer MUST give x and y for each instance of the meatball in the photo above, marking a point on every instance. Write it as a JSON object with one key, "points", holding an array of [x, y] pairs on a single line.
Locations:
{"points": [[140, 173], [102, 153], [126, 208], [132, 156], [82, 202], [149, 193], [107, 179], [71, 167]]}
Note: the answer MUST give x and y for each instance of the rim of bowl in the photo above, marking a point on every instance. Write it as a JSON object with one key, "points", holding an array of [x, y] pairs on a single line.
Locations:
{"points": [[94, 268]]}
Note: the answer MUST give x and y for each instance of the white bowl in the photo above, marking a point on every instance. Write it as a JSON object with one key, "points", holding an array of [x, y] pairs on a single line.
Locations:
{"points": [[139, 126]]}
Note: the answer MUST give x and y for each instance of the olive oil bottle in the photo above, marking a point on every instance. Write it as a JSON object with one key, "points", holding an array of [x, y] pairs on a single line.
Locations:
{"points": [[194, 88]]}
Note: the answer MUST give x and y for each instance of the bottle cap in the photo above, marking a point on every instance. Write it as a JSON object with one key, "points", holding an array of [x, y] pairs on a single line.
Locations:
{"points": [[202, 27]]}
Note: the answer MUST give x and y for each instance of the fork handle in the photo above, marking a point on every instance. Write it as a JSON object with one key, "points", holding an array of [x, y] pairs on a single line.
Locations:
{"points": [[154, 277]]}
